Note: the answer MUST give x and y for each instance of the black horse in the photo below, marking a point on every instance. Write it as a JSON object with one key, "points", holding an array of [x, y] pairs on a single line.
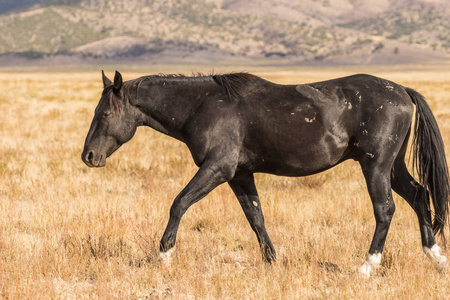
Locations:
{"points": [[236, 125]]}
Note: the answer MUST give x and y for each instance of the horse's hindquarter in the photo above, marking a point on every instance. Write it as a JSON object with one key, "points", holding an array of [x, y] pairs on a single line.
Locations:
{"points": [[293, 134]]}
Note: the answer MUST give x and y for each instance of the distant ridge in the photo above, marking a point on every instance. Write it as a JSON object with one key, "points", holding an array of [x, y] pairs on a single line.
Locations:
{"points": [[175, 31]]}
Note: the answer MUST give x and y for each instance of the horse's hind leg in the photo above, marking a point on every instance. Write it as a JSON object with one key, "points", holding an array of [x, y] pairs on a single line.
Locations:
{"points": [[405, 185], [245, 190], [377, 177]]}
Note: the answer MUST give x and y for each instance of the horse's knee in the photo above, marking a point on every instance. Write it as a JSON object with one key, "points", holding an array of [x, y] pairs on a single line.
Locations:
{"points": [[390, 207], [385, 211], [177, 210]]}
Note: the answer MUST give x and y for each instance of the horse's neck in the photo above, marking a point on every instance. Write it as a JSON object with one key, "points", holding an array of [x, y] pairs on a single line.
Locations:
{"points": [[175, 102]]}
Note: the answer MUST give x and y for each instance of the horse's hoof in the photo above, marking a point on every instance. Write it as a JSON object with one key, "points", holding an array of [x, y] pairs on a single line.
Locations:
{"points": [[371, 263], [166, 257], [434, 254], [443, 265], [365, 270], [269, 259]]}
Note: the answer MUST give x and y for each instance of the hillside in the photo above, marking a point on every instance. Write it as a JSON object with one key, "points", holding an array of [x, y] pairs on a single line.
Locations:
{"points": [[313, 31]]}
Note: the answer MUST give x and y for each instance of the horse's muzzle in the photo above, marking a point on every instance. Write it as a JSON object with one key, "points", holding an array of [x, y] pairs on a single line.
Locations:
{"points": [[93, 160]]}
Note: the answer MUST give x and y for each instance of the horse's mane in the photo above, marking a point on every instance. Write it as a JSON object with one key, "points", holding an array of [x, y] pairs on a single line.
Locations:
{"points": [[231, 82]]}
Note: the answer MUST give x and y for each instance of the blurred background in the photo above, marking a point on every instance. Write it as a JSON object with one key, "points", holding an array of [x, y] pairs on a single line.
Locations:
{"points": [[305, 32]]}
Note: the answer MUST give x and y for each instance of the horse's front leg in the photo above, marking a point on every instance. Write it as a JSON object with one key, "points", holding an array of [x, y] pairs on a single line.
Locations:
{"points": [[208, 177]]}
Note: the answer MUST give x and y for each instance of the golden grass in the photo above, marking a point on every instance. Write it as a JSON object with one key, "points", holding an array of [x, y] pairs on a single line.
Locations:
{"points": [[70, 232]]}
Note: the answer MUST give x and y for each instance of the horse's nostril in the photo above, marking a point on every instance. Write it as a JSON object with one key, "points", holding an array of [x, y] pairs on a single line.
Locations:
{"points": [[90, 156]]}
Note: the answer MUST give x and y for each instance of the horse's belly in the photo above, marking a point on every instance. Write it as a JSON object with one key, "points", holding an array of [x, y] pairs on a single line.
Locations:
{"points": [[304, 158], [298, 165]]}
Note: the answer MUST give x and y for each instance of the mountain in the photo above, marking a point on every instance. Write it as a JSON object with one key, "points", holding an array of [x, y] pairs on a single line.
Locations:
{"points": [[6, 5], [147, 31]]}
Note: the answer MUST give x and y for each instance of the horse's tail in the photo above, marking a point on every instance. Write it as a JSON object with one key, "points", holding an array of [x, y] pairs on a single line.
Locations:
{"points": [[430, 162]]}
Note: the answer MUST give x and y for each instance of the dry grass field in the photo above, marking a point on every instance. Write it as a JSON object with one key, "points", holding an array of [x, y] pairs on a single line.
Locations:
{"points": [[71, 232]]}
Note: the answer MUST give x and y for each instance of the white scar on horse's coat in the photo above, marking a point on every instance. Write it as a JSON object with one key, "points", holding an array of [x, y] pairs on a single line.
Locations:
{"points": [[372, 262], [166, 257], [434, 254]]}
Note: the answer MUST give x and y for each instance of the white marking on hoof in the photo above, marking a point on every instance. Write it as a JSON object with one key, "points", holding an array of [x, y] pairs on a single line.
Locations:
{"points": [[166, 257], [434, 254], [372, 262]]}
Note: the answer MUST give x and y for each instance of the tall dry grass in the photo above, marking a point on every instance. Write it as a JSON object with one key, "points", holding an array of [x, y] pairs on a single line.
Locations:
{"points": [[70, 232]]}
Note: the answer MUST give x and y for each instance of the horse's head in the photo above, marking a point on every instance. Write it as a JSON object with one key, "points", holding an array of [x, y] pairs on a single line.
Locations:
{"points": [[115, 122]]}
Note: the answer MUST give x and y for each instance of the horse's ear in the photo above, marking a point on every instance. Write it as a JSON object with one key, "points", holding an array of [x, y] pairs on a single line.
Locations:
{"points": [[118, 82], [106, 81]]}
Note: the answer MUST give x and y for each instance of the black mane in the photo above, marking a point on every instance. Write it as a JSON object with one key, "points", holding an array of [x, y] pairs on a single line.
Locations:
{"points": [[231, 82]]}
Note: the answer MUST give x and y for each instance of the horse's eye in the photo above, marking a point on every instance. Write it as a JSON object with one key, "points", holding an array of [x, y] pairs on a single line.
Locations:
{"points": [[107, 114]]}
